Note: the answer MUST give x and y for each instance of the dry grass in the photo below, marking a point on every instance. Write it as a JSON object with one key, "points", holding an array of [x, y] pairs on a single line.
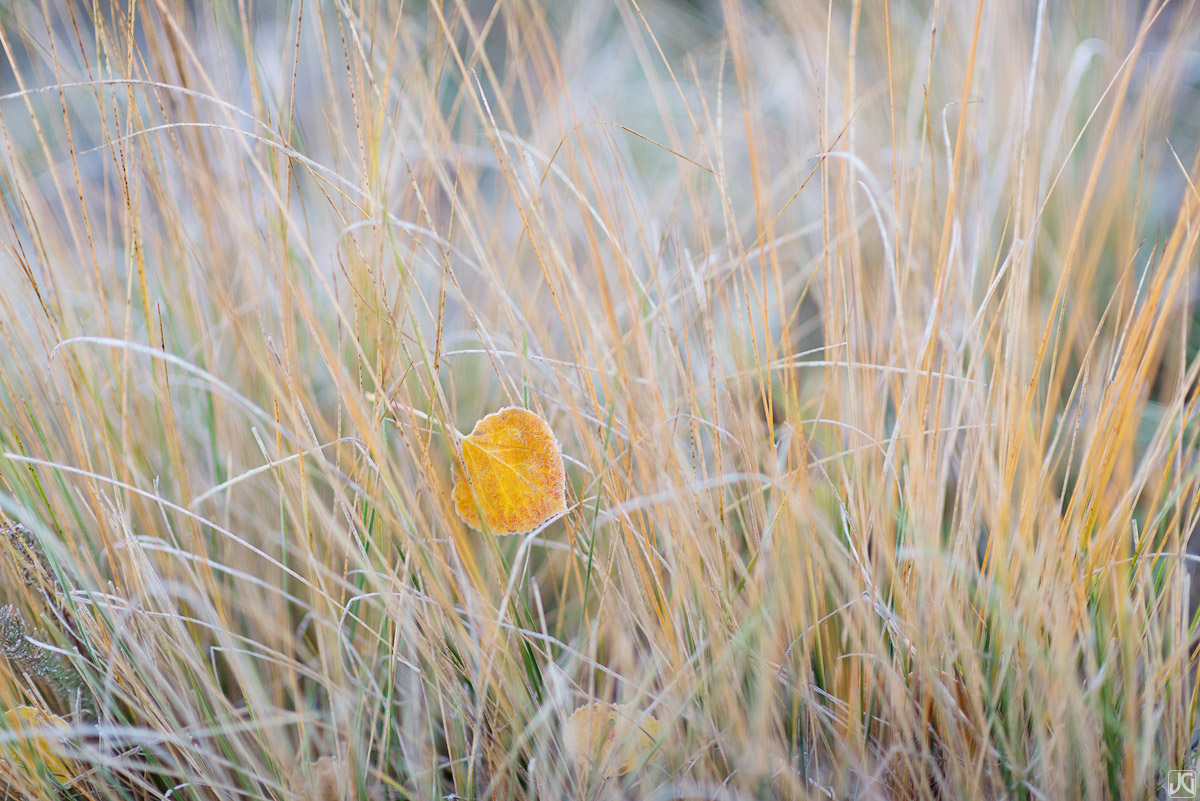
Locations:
{"points": [[868, 331]]}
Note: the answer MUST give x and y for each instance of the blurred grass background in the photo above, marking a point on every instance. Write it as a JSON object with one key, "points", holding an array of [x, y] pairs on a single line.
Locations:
{"points": [[868, 330]]}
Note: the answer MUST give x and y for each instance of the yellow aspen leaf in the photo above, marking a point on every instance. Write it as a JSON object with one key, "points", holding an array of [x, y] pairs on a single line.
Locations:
{"points": [[40, 745], [514, 473], [616, 739]]}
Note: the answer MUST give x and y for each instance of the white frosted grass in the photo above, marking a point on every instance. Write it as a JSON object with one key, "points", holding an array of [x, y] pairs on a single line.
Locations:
{"points": [[174, 507]]}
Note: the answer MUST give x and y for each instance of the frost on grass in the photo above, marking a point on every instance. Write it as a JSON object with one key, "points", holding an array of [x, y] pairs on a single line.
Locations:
{"points": [[31, 561], [514, 478], [18, 640], [37, 663]]}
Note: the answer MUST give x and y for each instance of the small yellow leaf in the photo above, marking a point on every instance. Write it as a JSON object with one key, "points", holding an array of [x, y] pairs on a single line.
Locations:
{"points": [[614, 738], [38, 745], [514, 473]]}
